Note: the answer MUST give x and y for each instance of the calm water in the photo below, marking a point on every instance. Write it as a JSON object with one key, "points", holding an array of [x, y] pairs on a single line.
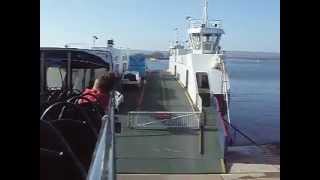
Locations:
{"points": [[255, 98]]}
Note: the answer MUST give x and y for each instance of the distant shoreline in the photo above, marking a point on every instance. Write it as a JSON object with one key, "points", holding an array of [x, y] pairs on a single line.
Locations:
{"points": [[252, 59], [252, 55], [234, 58]]}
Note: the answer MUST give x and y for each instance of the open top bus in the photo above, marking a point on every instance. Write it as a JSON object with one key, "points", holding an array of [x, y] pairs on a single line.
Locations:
{"points": [[69, 131]]}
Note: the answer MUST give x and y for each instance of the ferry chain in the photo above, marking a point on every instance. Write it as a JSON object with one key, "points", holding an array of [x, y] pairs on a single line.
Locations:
{"points": [[242, 133]]}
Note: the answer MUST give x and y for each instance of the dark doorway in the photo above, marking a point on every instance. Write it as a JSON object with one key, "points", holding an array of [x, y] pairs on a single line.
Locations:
{"points": [[203, 88], [124, 69], [202, 81]]}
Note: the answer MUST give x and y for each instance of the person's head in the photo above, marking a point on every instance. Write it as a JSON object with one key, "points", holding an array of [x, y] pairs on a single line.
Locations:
{"points": [[104, 83]]}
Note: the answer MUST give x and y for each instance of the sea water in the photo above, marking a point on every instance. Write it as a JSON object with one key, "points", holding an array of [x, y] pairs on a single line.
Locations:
{"points": [[254, 99]]}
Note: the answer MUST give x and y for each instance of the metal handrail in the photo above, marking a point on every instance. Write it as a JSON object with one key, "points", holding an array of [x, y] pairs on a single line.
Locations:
{"points": [[225, 89], [103, 165], [112, 159], [196, 23]]}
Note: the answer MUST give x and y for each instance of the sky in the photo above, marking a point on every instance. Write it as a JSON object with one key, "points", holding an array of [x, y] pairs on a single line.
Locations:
{"points": [[249, 25]]}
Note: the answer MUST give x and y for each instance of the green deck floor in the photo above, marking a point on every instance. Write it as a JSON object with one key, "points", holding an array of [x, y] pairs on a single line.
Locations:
{"points": [[165, 151]]}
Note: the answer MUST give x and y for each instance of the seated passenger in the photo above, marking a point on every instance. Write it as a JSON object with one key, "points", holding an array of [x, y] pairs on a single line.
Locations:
{"points": [[100, 91]]}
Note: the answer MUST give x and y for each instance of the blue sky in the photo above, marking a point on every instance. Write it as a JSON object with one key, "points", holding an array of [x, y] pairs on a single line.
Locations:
{"points": [[250, 25]]}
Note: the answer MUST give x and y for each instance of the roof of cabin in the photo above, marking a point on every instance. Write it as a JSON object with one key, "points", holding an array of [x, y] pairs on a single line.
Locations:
{"points": [[80, 58]]}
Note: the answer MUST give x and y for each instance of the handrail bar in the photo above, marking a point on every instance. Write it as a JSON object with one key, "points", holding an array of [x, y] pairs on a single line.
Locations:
{"points": [[103, 165]]}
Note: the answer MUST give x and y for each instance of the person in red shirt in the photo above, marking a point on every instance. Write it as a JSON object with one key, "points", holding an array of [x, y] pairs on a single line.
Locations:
{"points": [[99, 93]]}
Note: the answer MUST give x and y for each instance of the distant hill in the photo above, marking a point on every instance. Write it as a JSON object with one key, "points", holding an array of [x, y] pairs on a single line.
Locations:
{"points": [[228, 54]]}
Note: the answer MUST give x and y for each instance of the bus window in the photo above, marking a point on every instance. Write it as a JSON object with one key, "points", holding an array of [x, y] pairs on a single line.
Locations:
{"points": [[77, 78], [55, 77]]}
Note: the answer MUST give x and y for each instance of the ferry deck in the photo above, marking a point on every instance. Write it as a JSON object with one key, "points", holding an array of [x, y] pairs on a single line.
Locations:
{"points": [[176, 153], [165, 150]]}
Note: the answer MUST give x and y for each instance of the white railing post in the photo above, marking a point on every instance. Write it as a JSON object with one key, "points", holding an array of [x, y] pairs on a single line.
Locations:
{"points": [[225, 89]]}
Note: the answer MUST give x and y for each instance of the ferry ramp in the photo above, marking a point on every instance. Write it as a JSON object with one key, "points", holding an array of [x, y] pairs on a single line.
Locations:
{"points": [[164, 150]]}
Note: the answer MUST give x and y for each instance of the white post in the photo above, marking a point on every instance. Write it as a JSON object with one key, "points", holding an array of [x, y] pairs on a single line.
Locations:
{"points": [[205, 11], [69, 72]]}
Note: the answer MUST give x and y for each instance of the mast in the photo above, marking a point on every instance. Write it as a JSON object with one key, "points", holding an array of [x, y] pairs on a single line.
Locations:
{"points": [[205, 13]]}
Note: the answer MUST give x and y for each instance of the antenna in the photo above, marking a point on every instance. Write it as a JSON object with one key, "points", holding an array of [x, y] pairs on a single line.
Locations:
{"points": [[205, 13], [177, 35], [94, 40]]}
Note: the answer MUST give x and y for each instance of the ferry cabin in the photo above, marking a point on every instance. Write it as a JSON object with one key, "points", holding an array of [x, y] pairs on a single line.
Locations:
{"points": [[201, 70], [201, 63]]}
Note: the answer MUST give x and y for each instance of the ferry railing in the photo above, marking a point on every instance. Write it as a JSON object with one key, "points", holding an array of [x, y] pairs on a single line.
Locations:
{"points": [[103, 165], [164, 120], [197, 23], [225, 82]]}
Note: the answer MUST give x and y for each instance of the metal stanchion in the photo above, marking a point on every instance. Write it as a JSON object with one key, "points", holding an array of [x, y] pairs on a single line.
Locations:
{"points": [[201, 139]]}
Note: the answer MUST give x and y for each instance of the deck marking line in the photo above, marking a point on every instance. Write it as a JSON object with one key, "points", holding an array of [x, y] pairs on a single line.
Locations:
{"points": [[223, 165], [164, 101], [187, 95]]}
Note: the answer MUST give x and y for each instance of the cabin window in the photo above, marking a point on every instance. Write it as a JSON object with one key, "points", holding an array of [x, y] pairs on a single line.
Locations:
{"points": [[195, 41], [55, 77], [77, 78], [207, 37]]}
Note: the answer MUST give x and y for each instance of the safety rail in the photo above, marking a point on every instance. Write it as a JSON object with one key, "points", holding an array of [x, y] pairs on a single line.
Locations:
{"points": [[164, 120], [225, 89], [103, 165], [197, 23]]}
